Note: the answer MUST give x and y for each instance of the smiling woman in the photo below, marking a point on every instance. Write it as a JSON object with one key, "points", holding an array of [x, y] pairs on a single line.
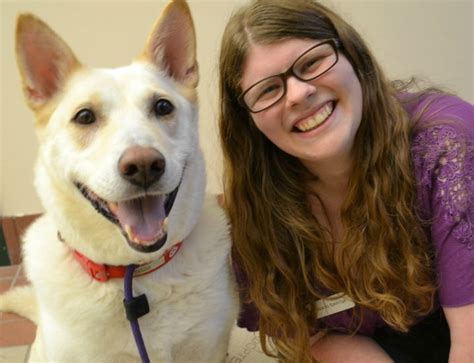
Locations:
{"points": [[294, 126], [350, 196]]}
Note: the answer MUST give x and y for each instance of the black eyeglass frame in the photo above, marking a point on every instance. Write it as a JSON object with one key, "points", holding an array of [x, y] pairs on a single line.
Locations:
{"points": [[335, 44]]}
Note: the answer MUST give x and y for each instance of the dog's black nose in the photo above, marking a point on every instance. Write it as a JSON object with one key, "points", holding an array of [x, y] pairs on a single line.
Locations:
{"points": [[141, 166]]}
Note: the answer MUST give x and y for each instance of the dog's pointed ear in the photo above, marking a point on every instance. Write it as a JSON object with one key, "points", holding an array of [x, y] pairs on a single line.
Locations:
{"points": [[171, 44], [44, 59]]}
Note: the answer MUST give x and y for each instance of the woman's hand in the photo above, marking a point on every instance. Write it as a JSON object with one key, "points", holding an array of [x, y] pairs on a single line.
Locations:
{"points": [[461, 327], [336, 348]]}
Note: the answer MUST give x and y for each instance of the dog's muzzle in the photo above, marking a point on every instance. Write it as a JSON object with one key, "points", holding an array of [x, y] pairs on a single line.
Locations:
{"points": [[143, 221]]}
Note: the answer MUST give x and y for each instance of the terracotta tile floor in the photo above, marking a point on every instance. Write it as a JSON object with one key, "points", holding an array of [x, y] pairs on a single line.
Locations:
{"points": [[16, 333]]}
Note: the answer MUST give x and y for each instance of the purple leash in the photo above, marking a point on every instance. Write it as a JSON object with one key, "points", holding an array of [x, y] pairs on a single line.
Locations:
{"points": [[135, 307]]}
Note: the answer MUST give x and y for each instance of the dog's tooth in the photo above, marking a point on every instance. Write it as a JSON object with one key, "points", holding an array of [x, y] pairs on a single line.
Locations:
{"points": [[165, 224], [113, 207], [128, 230]]}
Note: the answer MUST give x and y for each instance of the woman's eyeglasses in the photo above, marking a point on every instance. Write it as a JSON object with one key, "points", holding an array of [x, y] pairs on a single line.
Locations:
{"points": [[313, 63]]}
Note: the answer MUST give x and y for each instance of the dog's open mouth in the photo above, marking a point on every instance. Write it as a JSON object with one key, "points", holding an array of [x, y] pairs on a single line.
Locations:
{"points": [[143, 221]]}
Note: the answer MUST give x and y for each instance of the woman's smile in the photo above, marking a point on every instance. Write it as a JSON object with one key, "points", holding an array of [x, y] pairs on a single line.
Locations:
{"points": [[316, 120]]}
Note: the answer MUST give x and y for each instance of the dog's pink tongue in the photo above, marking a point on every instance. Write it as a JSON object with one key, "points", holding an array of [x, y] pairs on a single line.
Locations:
{"points": [[142, 218]]}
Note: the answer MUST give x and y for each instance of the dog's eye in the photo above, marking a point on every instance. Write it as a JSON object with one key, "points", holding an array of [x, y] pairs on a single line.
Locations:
{"points": [[163, 107], [84, 117]]}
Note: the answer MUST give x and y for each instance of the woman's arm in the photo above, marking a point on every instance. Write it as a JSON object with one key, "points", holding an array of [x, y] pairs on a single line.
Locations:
{"points": [[338, 348], [461, 327], [446, 187]]}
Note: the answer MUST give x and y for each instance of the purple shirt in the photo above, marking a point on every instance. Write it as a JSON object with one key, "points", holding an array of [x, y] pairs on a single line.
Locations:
{"points": [[443, 158]]}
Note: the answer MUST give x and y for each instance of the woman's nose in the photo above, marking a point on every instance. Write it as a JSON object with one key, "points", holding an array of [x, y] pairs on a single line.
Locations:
{"points": [[298, 91]]}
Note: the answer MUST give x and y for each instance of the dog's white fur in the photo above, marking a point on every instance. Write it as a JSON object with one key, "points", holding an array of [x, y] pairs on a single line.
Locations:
{"points": [[192, 299]]}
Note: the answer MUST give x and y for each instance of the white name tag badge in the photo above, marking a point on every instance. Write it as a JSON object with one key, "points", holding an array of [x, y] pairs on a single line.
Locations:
{"points": [[333, 304]]}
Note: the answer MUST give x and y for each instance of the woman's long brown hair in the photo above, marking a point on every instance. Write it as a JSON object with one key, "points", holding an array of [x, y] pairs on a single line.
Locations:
{"points": [[384, 262]]}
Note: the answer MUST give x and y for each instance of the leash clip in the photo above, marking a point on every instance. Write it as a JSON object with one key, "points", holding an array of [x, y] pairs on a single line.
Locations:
{"points": [[136, 307]]}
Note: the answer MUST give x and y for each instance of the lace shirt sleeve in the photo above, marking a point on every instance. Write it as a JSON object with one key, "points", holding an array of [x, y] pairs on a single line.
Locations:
{"points": [[443, 154]]}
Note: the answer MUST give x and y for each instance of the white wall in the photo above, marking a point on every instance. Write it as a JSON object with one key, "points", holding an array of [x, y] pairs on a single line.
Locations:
{"points": [[431, 39]]}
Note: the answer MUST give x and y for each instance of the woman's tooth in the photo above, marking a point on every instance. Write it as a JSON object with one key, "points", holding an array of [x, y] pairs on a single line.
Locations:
{"points": [[318, 119]]}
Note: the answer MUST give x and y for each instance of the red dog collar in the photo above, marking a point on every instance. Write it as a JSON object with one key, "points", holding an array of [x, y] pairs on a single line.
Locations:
{"points": [[103, 273]]}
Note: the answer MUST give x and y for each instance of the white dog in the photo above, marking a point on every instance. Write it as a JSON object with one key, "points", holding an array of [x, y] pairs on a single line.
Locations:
{"points": [[122, 180]]}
